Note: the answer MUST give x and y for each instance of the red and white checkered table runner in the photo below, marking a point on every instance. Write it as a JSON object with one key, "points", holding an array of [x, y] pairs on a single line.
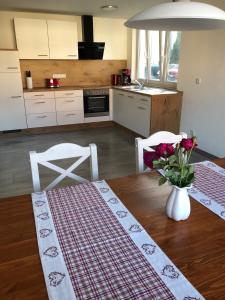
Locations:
{"points": [[98, 250], [209, 187]]}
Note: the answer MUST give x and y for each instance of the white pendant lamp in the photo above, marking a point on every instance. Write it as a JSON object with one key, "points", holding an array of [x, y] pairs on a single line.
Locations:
{"points": [[179, 15]]}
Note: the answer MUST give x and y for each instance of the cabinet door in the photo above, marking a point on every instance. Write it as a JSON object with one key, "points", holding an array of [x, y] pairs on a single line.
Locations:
{"points": [[9, 61], [63, 43], [32, 38], [12, 110], [141, 118]]}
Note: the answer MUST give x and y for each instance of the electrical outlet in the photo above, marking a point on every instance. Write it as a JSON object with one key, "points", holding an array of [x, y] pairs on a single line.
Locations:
{"points": [[59, 76], [198, 80]]}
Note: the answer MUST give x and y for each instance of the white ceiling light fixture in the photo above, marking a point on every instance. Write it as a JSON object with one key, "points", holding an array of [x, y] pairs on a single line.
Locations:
{"points": [[109, 7], [179, 15]]}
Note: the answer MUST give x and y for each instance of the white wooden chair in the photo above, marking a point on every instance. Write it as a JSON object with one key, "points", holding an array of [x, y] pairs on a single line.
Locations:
{"points": [[154, 140], [63, 151]]}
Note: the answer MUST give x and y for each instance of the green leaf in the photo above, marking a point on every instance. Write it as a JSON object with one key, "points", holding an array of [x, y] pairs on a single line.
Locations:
{"points": [[162, 180]]}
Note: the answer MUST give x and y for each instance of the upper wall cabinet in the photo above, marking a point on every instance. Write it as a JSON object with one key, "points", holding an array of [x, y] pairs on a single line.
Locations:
{"points": [[44, 39], [32, 38], [114, 34], [62, 39]]}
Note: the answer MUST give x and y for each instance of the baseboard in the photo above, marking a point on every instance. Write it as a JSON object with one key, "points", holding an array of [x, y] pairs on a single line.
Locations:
{"points": [[204, 153], [58, 129]]}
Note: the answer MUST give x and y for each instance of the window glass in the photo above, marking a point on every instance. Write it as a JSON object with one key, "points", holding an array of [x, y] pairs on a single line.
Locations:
{"points": [[158, 55], [173, 56]]}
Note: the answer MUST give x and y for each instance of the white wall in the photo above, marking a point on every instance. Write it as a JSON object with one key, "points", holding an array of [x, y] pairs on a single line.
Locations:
{"points": [[203, 56]]}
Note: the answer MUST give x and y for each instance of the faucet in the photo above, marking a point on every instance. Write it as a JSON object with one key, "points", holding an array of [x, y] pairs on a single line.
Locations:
{"points": [[140, 85]]}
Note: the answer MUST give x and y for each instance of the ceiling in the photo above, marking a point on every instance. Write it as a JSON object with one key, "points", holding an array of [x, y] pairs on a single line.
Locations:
{"points": [[127, 8]]}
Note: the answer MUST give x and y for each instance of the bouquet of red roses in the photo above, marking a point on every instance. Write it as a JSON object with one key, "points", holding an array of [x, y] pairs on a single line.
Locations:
{"points": [[174, 161]]}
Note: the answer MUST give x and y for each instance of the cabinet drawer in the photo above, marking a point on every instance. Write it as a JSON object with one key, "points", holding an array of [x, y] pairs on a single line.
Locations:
{"points": [[40, 106], [68, 94], [39, 95], [41, 120], [70, 117], [143, 100], [67, 104]]}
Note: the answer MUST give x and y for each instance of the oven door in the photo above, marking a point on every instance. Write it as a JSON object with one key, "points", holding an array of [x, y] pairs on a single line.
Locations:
{"points": [[96, 105]]}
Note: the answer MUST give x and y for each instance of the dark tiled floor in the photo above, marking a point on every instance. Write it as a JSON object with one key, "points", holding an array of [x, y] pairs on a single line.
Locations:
{"points": [[116, 155]]}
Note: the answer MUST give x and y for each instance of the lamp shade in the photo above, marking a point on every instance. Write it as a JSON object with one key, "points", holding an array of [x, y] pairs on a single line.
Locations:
{"points": [[179, 16]]}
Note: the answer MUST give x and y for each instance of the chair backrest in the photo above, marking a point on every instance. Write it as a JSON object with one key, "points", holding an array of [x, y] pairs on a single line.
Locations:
{"points": [[63, 151], [154, 140]]}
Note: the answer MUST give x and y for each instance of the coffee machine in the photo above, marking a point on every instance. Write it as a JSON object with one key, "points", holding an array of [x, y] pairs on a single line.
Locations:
{"points": [[126, 78]]}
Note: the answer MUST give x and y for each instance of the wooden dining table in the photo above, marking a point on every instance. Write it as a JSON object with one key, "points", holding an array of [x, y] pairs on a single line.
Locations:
{"points": [[196, 246]]}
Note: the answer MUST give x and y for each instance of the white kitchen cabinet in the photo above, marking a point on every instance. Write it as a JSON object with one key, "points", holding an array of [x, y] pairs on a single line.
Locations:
{"points": [[132, 111], [32, 38], [9, 61], [39, 95], [67, 104], [39, 106], [70, 117], [12, 110], [41, 120], [63, 40]]}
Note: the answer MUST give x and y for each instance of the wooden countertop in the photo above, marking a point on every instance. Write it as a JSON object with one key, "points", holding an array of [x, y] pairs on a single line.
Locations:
{"points": [[66, 88], [147, 92], [196, 246]]}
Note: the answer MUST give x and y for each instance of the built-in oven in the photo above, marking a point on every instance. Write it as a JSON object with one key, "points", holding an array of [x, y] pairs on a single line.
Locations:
{"points": [[96, 102]]}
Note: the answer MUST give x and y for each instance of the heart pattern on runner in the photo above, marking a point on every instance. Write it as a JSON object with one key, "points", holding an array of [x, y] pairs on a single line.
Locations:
{"points": [[113, 201], [51, 251], [148, 248], [193, 191], [121, 214], [170, 272], [206, 201], [191, 298], [39, 203], [135, 228], [223, 214], [55, 278], [104, 190], [45, 232], [44, 216]]}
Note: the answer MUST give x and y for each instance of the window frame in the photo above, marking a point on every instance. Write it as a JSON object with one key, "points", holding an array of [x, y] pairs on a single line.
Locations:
{"points": [[163, 62]]}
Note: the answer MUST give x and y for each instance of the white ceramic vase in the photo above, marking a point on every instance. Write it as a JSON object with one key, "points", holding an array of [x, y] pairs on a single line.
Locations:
{"points": [[178, 205]]}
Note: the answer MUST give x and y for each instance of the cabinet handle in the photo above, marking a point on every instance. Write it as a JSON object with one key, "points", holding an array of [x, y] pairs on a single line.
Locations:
{"points": [[120, 94], [42, 54], [12, 68], [40, 102], [39, 95], [70, 115], [16, 97], [142, 108], [68, 94], [69, 101], [41, 117], [72, 55], [145, 100], [130, 97]]}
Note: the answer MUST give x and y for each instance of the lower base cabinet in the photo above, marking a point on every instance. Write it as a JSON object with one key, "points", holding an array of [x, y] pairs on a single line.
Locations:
{"points": [[41, 120], [146, 115], [70, 117]]}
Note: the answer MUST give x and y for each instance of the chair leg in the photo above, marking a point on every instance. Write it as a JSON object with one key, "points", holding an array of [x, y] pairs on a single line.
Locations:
{"points": [[94, 162]]}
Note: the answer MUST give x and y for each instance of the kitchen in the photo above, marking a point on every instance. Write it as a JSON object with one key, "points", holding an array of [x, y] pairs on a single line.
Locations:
{"points": [[71, 75]]}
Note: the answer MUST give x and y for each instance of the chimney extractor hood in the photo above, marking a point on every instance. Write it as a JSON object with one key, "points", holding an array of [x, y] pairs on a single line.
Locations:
{"points": [[88, 49]]}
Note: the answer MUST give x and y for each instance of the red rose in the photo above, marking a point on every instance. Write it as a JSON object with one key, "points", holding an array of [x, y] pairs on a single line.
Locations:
{"points": [[164, 150], [161, 150], [170, 149], [187, 144], [149, 157]]}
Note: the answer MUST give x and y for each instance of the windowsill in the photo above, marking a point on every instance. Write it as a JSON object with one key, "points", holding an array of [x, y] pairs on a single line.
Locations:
{"points": [[166, 85]]}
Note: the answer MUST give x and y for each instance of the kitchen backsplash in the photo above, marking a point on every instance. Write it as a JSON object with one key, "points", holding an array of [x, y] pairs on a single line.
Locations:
{"points": [[78, 72]]}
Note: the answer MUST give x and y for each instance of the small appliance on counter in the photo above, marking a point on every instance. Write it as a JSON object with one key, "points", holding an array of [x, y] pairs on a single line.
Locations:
{"points": [[52, 83], [29, 80], [122, 79]]}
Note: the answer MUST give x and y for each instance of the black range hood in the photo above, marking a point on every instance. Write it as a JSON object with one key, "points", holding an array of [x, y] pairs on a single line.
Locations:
{"points": [[88, 49]]}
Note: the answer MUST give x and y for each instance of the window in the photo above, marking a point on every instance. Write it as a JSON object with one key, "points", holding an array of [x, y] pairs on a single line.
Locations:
{"points": [[158, 56]]}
